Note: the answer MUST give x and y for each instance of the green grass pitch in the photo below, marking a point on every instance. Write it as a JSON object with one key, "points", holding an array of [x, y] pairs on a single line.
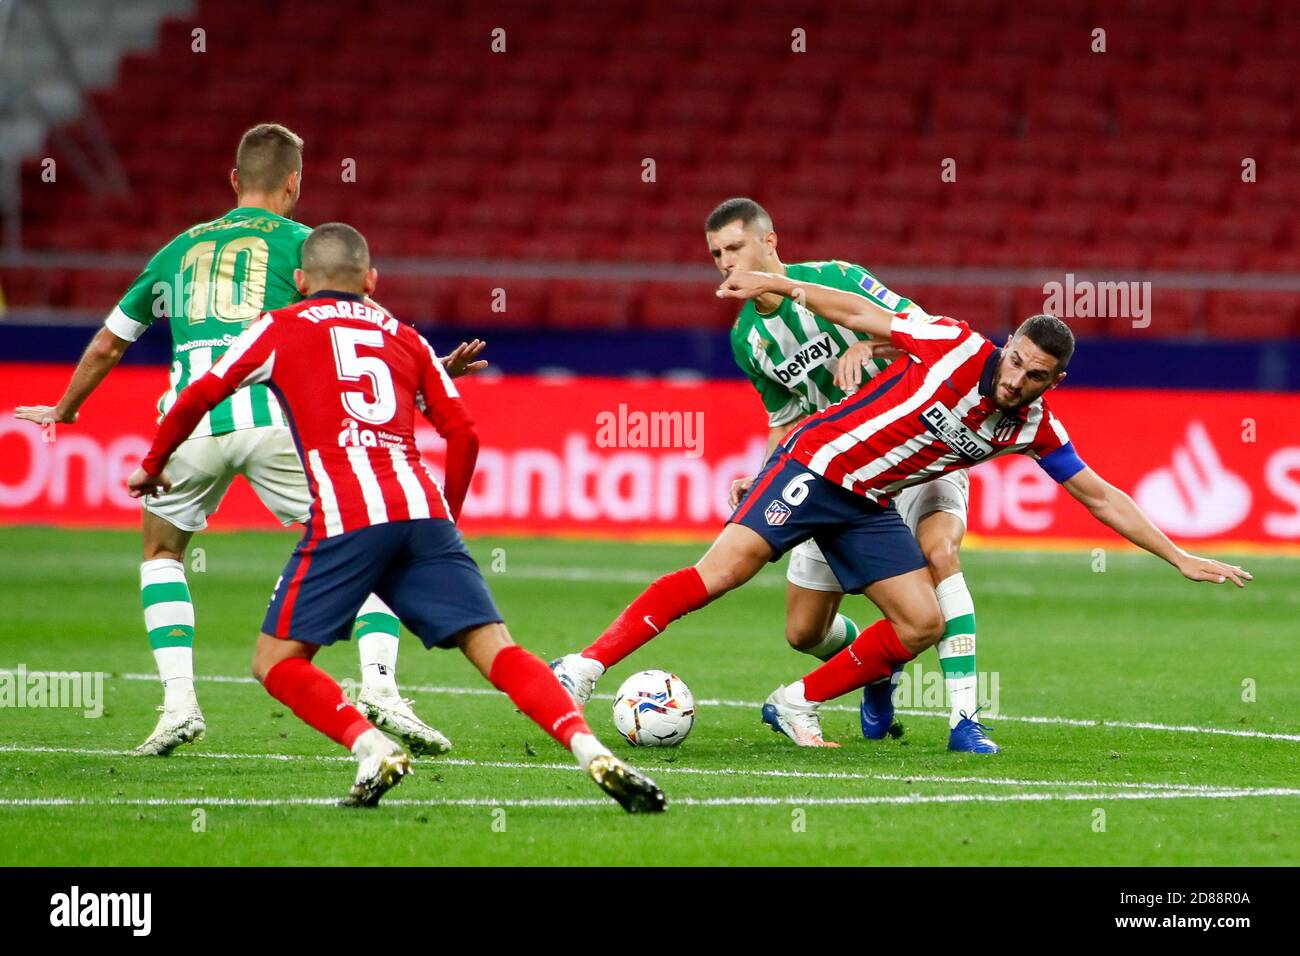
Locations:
{"points": [[1108, 686]]}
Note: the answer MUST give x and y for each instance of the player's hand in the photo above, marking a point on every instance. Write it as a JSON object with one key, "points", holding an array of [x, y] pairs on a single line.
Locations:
{"points": [[738, 489], [44, 415], [741, 284], [142, 484], [848, 370], [1216, 572], [461, 361]]}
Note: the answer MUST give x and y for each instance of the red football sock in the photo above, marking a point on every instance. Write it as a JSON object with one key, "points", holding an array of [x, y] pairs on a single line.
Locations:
{"points": [[317, 699], [659, 605], [533, 688], [874, 655]]}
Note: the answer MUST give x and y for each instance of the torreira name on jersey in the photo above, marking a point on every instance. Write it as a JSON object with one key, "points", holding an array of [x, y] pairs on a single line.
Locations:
{"points": [[350, 378]]}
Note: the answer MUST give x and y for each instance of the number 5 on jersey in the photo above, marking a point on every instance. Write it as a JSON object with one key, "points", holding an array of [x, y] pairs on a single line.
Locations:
{"points": [[352, 367]]}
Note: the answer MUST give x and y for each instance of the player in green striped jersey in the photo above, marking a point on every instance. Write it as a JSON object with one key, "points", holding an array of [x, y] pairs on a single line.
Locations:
{"points": [[210, 282], [800, 364]]}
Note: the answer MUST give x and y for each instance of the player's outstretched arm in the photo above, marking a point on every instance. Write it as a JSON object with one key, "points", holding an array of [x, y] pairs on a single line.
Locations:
{"points": [[101, 357], [835, 305], [1120, 513]]}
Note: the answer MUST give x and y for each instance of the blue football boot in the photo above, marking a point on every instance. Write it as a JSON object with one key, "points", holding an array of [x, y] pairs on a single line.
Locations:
{"points": [[971, 737], [877, 709]]}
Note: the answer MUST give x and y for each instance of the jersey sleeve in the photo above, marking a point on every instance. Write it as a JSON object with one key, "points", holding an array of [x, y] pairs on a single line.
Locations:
{"points": [[1053, 450], [782, 405], [848, 277], [140, 305], [437, 397], [928, 340]]}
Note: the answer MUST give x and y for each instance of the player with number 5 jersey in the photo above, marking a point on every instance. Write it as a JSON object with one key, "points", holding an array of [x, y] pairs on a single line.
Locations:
{"points": [[208, 284], [350, 378]]}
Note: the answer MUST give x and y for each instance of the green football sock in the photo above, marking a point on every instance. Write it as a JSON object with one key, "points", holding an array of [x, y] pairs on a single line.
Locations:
{"points": [[842, 633], [169, 620], [957, 647]]}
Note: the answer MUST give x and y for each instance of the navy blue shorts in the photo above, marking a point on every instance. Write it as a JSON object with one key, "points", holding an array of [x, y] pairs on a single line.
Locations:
{"points": [[862, 541], [419, 568]]}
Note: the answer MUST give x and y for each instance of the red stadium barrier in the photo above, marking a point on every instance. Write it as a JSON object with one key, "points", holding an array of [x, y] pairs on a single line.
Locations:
{"points": [[579, 457]]}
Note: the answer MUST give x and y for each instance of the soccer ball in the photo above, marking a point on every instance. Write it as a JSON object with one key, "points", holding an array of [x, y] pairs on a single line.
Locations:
{"points": [[654, 709]]}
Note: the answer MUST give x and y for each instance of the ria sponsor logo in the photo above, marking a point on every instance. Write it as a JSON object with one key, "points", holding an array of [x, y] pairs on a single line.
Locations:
{"points": [[353, 435], [74, 909], [813, 355], [948, 428]]}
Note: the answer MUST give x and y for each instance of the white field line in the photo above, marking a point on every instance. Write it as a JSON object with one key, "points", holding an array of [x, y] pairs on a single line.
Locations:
{"points": [[1171, 589], [754, 705], [909, 778], [791, 801]]}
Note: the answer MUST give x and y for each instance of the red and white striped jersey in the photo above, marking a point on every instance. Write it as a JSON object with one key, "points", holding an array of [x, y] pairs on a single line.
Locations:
{"points": [[350, 378], [930, 412]]}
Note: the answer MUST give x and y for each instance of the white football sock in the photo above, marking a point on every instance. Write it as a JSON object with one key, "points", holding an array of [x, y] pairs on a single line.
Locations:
{"points": [[586, 748], [176, 668], [794, 695], [370, 743], [377, 644]]}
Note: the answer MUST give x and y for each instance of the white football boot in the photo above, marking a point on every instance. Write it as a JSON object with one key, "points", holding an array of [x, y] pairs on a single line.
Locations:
{"points": [[174, 728], [788, 712], [394, 714], [578, 675], [381, 765]]}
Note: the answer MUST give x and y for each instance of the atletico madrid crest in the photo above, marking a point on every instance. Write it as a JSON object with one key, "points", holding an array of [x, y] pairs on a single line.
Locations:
{"points": [[1006, 428], [777, 513]]}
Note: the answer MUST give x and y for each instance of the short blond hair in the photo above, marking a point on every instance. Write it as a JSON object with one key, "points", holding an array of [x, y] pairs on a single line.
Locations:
{"points": [[267, 154]]}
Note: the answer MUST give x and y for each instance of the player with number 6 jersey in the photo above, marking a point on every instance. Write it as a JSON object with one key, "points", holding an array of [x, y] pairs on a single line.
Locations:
{"points": [[955, 401]]}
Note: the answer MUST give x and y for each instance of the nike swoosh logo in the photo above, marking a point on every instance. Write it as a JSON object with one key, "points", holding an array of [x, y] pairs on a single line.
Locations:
{"points": [[650, 623]]}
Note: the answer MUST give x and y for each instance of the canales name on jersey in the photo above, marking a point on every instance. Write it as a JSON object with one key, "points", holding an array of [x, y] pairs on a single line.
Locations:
{"points": [[211, 282]]}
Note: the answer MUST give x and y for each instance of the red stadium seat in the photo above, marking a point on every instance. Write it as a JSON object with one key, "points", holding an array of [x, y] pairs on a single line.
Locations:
{"points": [[590, 305], [673, 305], [504, 302], [1250, 315]]}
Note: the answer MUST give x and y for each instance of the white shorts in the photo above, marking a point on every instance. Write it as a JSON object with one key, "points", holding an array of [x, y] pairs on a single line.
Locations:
{"points": [[203, 468], [948, 493]]}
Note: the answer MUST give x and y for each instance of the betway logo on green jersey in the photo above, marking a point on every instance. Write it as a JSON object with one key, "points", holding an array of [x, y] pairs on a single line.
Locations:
{"points": [[813, 355]]}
